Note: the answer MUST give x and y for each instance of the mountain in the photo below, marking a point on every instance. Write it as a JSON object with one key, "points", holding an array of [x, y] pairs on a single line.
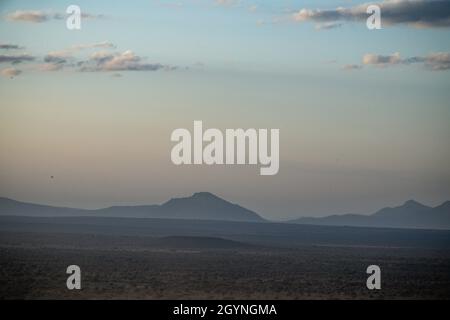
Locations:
{"points": [[207, 206], [16, 208], [411, 214], [201, 205]]}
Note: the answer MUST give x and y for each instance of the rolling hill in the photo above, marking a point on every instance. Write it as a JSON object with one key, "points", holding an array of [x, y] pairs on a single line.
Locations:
{"points": [[199, 206], [207, 206], [411, 214]]}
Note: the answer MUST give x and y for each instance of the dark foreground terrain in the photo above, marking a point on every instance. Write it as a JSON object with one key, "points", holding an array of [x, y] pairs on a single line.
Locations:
{"points": [[32, 266], [250, 261]]}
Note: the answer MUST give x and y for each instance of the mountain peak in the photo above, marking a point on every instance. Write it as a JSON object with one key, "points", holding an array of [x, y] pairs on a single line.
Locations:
{"points": [[207, 206], [196, 197], [199, 206], [204, 194], [444, 205], [413, 204]]}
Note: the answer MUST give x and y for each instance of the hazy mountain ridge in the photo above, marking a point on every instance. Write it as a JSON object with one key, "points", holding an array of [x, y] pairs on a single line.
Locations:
{"points": [[207, 206], [411, 214], [199, 206]]}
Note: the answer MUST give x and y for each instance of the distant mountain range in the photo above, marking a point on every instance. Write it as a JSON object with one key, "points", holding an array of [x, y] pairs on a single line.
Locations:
{"points": [[207, 206], [411, 214], [200, 206]]}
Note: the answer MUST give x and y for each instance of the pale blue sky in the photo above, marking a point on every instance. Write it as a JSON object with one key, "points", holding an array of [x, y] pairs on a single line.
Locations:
{"points": [[351, 141]]}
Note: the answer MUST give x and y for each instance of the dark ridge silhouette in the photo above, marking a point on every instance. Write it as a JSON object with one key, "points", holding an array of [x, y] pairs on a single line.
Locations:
{"points": [[411, 214], [189, 242], [96, 240], [199, 206], [207, 206]]}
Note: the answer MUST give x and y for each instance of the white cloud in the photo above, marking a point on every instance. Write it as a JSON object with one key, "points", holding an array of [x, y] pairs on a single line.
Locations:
{"points": [[34, 16], [39, 16], [103, 44], [125, 61], [10, 72], [437, 61], [380, 60]]}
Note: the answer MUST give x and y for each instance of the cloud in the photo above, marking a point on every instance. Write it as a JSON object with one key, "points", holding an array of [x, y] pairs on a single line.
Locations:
{"points": [[34, 16], [126, 61], [10, 72], [328, 25], [50, 66], [56, 57], [417, 13], [98, 61], [225, 2], [437, 61], [85, 15], [67, 53], [38, 16], [56, 60], [15, 58], [104, 44], [350, 67], [8, 46], [380, 60], [253, 8]]}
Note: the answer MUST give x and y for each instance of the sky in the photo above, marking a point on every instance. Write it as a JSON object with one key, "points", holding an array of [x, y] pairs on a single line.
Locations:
{"points": [[86, 115]]}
